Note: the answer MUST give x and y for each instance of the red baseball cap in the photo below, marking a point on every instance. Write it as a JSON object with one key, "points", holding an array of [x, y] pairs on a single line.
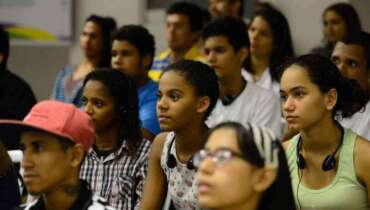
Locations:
{"points": [[57, 118]]}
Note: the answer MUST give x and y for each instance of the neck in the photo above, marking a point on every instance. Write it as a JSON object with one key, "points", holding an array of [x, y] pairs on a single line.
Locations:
{"points": [[179, 54], [322, 138], [232, 86], [190, 139], [91, 61], [107, 139], [259, 64], [63, 197]]}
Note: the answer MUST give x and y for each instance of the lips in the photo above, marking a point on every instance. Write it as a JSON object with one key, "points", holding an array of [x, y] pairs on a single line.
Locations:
{"points": [[203, 188], [162, 118], [291, 118], [29, 177]]}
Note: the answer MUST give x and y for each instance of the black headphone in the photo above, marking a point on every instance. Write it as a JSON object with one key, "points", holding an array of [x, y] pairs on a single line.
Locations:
{"points": [[171, 160], [228, 99], [329, 161]]}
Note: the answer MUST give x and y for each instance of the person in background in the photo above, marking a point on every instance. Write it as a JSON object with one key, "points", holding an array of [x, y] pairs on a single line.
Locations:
{"points": [[133, 50], [9, 188], [184, 23], [352, 57], [223, 8], [243, 168], [116, 165], [16, 96], [55, 137], [226, 48], [270, 45], [326, 161], [340, 21], [188, 91], [95, 44]]}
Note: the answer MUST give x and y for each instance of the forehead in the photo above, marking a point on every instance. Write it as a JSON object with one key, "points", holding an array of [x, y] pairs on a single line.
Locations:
{"points": [[171, 80], [349, 51], [331, 14], [123, 45], [91, 27], [29, 137], [222, 138], [95, 88], [217, 41], [295, 76], [260, 22], [177, 18]]}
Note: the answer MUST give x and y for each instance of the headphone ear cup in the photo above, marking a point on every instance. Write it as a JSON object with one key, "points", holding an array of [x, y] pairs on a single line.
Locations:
{"points": [[301, 163], [171, 161], [329, 163], [190, 164]]}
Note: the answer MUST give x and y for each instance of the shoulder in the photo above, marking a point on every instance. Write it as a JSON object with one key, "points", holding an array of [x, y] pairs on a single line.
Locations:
{"points": [[158, 144], [362, 160]]}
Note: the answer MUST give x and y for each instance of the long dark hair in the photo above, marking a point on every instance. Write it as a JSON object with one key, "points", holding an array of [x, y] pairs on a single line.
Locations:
{"points": [[124, 93], [107, 26], [5, 161], [279, 195], [324, 74], [348, 13], [282, 39]]}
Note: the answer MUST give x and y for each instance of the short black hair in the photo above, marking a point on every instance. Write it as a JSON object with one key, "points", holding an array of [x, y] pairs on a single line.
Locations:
{"points": [[201, 77], [362, 40], [241, 10], [233, 29], [193, 12], [138, 36], [325, 74], [65, 143], [4, 47]]}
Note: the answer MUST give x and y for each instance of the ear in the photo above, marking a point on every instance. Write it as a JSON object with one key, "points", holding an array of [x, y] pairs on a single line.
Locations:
{"points": [[265, 178], [146, 60], [76, 155], [243, 54], [203, 104], [331, 98]]}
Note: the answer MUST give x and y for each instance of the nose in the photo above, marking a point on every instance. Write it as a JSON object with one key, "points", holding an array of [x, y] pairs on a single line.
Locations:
{"points": [[27, 162], [343, 69], [210, 57], [206, 166], [288, 104], [162, 104], [88, 109]]}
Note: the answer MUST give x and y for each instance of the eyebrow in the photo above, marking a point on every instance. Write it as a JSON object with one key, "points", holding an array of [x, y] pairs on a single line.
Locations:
{"points": [[293, 89]]}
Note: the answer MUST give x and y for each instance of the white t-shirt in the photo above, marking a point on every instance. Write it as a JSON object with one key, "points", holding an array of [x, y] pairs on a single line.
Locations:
{"points": [[359, 122], [265, 81], [254, 104]]}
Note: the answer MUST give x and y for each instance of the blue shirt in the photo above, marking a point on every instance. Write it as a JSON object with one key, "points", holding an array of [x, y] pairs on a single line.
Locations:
{"points": [[147, 107]]}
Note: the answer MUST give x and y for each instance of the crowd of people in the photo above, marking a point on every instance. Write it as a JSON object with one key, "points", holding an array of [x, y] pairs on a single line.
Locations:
{"points": [[228, 117]]}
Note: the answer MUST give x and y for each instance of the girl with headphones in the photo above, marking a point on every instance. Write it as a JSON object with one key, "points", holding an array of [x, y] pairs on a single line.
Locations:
{"points": [[243, 168], [116, 166], [188, 91], [329, 165]]}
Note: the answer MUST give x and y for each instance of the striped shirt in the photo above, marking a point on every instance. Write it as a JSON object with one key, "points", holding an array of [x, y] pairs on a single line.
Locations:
{"points": [[118, 177]]}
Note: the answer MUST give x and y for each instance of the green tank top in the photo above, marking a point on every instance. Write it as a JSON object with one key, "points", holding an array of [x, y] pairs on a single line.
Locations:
{"points": [[344, 192]]}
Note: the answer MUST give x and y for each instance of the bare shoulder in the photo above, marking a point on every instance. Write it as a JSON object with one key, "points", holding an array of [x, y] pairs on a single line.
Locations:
{"points": [[362, 160], [158, 142]]}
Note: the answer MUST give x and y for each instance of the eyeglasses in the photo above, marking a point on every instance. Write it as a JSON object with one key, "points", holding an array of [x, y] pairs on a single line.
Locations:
{"points": [[218, 157]]}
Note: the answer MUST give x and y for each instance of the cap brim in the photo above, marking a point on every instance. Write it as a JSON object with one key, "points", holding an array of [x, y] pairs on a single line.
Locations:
{"points": [[10, 131]]}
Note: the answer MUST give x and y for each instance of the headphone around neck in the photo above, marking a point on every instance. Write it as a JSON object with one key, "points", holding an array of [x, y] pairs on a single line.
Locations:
{"points": [[329, 161], [171, 161]]}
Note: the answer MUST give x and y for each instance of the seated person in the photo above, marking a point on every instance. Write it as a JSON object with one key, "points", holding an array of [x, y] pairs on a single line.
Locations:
{"points": [[184, 23], [55, 137]]}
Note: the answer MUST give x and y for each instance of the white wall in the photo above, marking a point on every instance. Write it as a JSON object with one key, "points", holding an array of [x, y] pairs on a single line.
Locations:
{"points": [[39, 64]]}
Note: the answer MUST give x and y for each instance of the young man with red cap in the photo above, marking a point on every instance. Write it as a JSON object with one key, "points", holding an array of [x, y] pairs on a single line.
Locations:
{"points": [[54, 137]]}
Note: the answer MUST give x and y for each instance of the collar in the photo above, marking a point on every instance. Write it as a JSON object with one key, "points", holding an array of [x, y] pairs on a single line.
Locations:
{"points": [[194, 53], [123, 149]]}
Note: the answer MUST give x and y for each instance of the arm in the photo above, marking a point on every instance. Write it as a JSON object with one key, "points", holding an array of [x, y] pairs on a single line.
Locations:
{"points": [[362, 163], [155, 183]]}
